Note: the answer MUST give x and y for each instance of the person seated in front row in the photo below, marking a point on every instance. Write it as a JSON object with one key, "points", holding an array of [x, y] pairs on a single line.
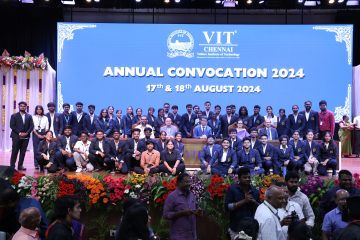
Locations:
{"points": [[285, 156], [298, 148], [81, 153], [148, 132], [99, 152], [250, 158], [224, 162], [64, 155], [235, 142], [171, 159], [267, 155], [178, 143], [240, 129], [170, 129], [46, 153], [215, 125], [133, 149], [254, 141], [202, 130], [150, 160], [104, 123], [161, 142], [269, 130], [116, 154], [312, 152], [144, 125], [328, 155], [207, 152]]}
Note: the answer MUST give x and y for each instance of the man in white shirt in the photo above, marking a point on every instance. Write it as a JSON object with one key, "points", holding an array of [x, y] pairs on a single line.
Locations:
{"points": [[81, 154], [357, 136], [267, 215], [54, 119], [143, 124]]}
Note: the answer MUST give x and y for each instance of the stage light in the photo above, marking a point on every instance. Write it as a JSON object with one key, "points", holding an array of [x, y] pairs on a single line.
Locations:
{"points": [[166, 1], [26, 1], [68, 2], [96, 0], [340, 1], [88, 1], [177, 1], [261, 1], [300, 1], [352, 3], [230, 3], [218, 1], [137, 1], [331, 1], [249, 1]]}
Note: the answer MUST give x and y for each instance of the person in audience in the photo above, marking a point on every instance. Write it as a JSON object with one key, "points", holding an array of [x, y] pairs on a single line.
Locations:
{"points": [[175, 117], [352, 231], [172, 162], [90, 120], [41, 125], [289, 212], [233, 111], [226, 120], [66, 118], [241, 201], [78, 119], [250, 158], [29, 220], [249, 229], [150, 160], [241, 131], [326, 120], [312, 154], [299, 231], [268, 155], [282, 126], [311, 119], [170, 129], [127, 121], [217, 111], [327, 202], [66, 210], [207, 152], [207, 113], [357, 135], [334, 222], [99, 151], [187, 122], [166, 108], [345, 129], [116, 153], [285, 156], [255, 143], [54, 119], [64, 155], [110, 111], [118, 123], [202, 130], [266, 214], [159, 121], [269, 130], [270, 115], [256, 120], [292, 182], [178, 143], [235, 142], [132, 153], [244, 116], [142, 126], [104, 123], [81, 153], [150, 116], [181, 209], [46, 153], [296, 121], [298, 147], [328, 155], [148, 132], [137, 118], [161, 142], [215, 126], [224, 162]]}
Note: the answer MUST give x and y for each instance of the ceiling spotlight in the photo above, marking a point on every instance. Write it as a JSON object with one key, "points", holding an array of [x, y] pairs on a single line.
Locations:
{"points": [[68, 2], [300, 1], [177, 1], [138, 1], [249, 1], [88, 1], [166, 1], [331, 1], [218, 1], [340, 1], [261, 1], [230, 3], [96, 0], [26, 1]]}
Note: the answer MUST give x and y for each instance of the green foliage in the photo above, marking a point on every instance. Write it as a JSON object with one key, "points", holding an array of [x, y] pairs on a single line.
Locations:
{"points": [[99, 227]]}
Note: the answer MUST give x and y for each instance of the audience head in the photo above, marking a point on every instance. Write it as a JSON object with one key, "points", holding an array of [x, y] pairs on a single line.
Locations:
{"points": [[341, 196], [327, 137], [250, 228], [149, 145], [118, 113], [135, 133], [134, 224], [292, 181], [30, 218], [257, 109], [91, 109], [79, 107], [299, 231], [207, 105], [174, 109], [232, 133], [310, 135], [196, 109], [129, 110], [168, 122], [184, 182], [143, 120], [170, 145], [275, 196], [269, 111], [246, 142], [345, 118], [103, 113], [285, 190], [353, 204], [210, 140], [228, 110], [189, 108], [296, 135], [67, 130], [9, 198], [99, 134], [49, 135], [254, 132], [267, 122], [151, 110], [322, 105], [161, 112], [116, 134], [244, 176], [240, 123], [163, 135], [217, 109], [138, 112], [204, 121], [243, 111], [67, 208], [282, 112], [110, 110], [178, 136], [308, 105], [345, 179], [166, 107], [295, 109], [39, 110], [233, 108], [66, 107], [225, 143], [147, 132], [263, 139]]}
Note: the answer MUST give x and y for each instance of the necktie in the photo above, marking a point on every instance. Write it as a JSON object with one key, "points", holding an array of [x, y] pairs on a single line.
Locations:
{"points": [[203, 130], [268, 133]]}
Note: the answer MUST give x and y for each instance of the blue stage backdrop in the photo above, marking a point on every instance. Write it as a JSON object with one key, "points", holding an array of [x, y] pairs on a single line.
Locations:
{"points": [[143, 65]]}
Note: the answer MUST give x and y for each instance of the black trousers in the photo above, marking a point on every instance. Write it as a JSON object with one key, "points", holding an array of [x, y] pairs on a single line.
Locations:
{"points": [[21, 145], [131, 162], [140, 170], [180, 168], [42, 163], [98, 162]]}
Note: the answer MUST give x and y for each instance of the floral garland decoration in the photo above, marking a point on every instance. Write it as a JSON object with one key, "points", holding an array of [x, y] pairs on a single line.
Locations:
{"points": [[26, 62]]}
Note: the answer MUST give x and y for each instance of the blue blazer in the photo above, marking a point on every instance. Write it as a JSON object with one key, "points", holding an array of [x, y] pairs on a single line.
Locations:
{"points": [[120, 152], [65, 120], [90, 128], [198, 132], [118, 124], [61, 142], [215, 127], [151, 120], [288, 155], [314, 149], [43, 148], [274, 133], [225, 125], [230, 158], [259, 120], [17, 125], [298, 125], [210, 114], [269, 151], [330, 153], [180, 146], [251, 160], [312, 123], [186, 125], [236, 145], [78, 127], [175, 119], [106, 126], [282, 126], [127, 124], [256, 145], [56, 123], [205, 152], [94, 146], [299, 150]]}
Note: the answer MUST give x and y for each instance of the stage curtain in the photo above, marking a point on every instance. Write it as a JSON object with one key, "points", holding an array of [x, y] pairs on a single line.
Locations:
{"points": [[36, 87]]}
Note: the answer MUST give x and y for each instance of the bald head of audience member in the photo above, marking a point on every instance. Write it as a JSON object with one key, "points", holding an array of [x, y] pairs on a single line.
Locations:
{"points": [[341, 196], [30, 218], [275, 196], [168, 122]]}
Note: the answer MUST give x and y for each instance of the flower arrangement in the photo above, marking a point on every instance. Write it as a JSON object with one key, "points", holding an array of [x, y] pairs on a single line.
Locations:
{"points": [[24, 188], [315, 187], [162, 190], [26, 62], [197, 187], [263, 183], [15, 179], [116, 188], [45, 190], [217, 187]]}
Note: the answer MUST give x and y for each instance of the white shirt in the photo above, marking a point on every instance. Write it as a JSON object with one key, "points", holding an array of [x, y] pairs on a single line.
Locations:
{"points": [[91, 118], [41, 122], [142, 128], [135, 145], [67, 148], [79, 116], [307, 114], [290, 207], [229, 119], [52, 115], [223, 158], [273, 120], [101, 146], [295, 117], [357, 121], [210, 148], [264, 148], [270, 228], [23, 117], [84, 147]]}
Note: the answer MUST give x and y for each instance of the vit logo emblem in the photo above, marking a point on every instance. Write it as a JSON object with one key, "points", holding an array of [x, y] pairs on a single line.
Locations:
{"points": [[219, 37], [180, 44]]}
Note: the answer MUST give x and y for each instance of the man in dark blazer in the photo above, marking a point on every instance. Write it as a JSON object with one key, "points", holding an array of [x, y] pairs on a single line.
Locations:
{"points": [[298, 148], [226, 120], [296, 121], [250, 158], [64, 155], [54, 119], [311, 119], [175, 117], [269, 130], [99, 152], [208, 152], [161, 142], [132, 153], [268, 155], [256, 120], [127, 121], [254, 141], [90, 120], [65, 118], [187, 122], [46, 153], [21, 125], [215, 126], [207, 113], [235, 142], [224, 162], [78, 119]]}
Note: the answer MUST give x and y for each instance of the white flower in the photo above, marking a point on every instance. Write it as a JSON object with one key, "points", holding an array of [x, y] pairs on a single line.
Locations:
{"points": [[137, 186], [126, 191]]}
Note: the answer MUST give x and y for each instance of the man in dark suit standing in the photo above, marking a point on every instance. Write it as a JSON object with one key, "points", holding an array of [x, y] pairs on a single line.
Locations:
{"points": [[175, 117], [21, 125], [311, 119], [226, 120], [296, 121], [187, 122], [78, 119], [207, 113], [54, 119], [256, 120], [65, 118], [90, 120]]}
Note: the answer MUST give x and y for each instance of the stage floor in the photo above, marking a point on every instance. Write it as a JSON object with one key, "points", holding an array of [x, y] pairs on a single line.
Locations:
{"points": [[352, 164]]}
